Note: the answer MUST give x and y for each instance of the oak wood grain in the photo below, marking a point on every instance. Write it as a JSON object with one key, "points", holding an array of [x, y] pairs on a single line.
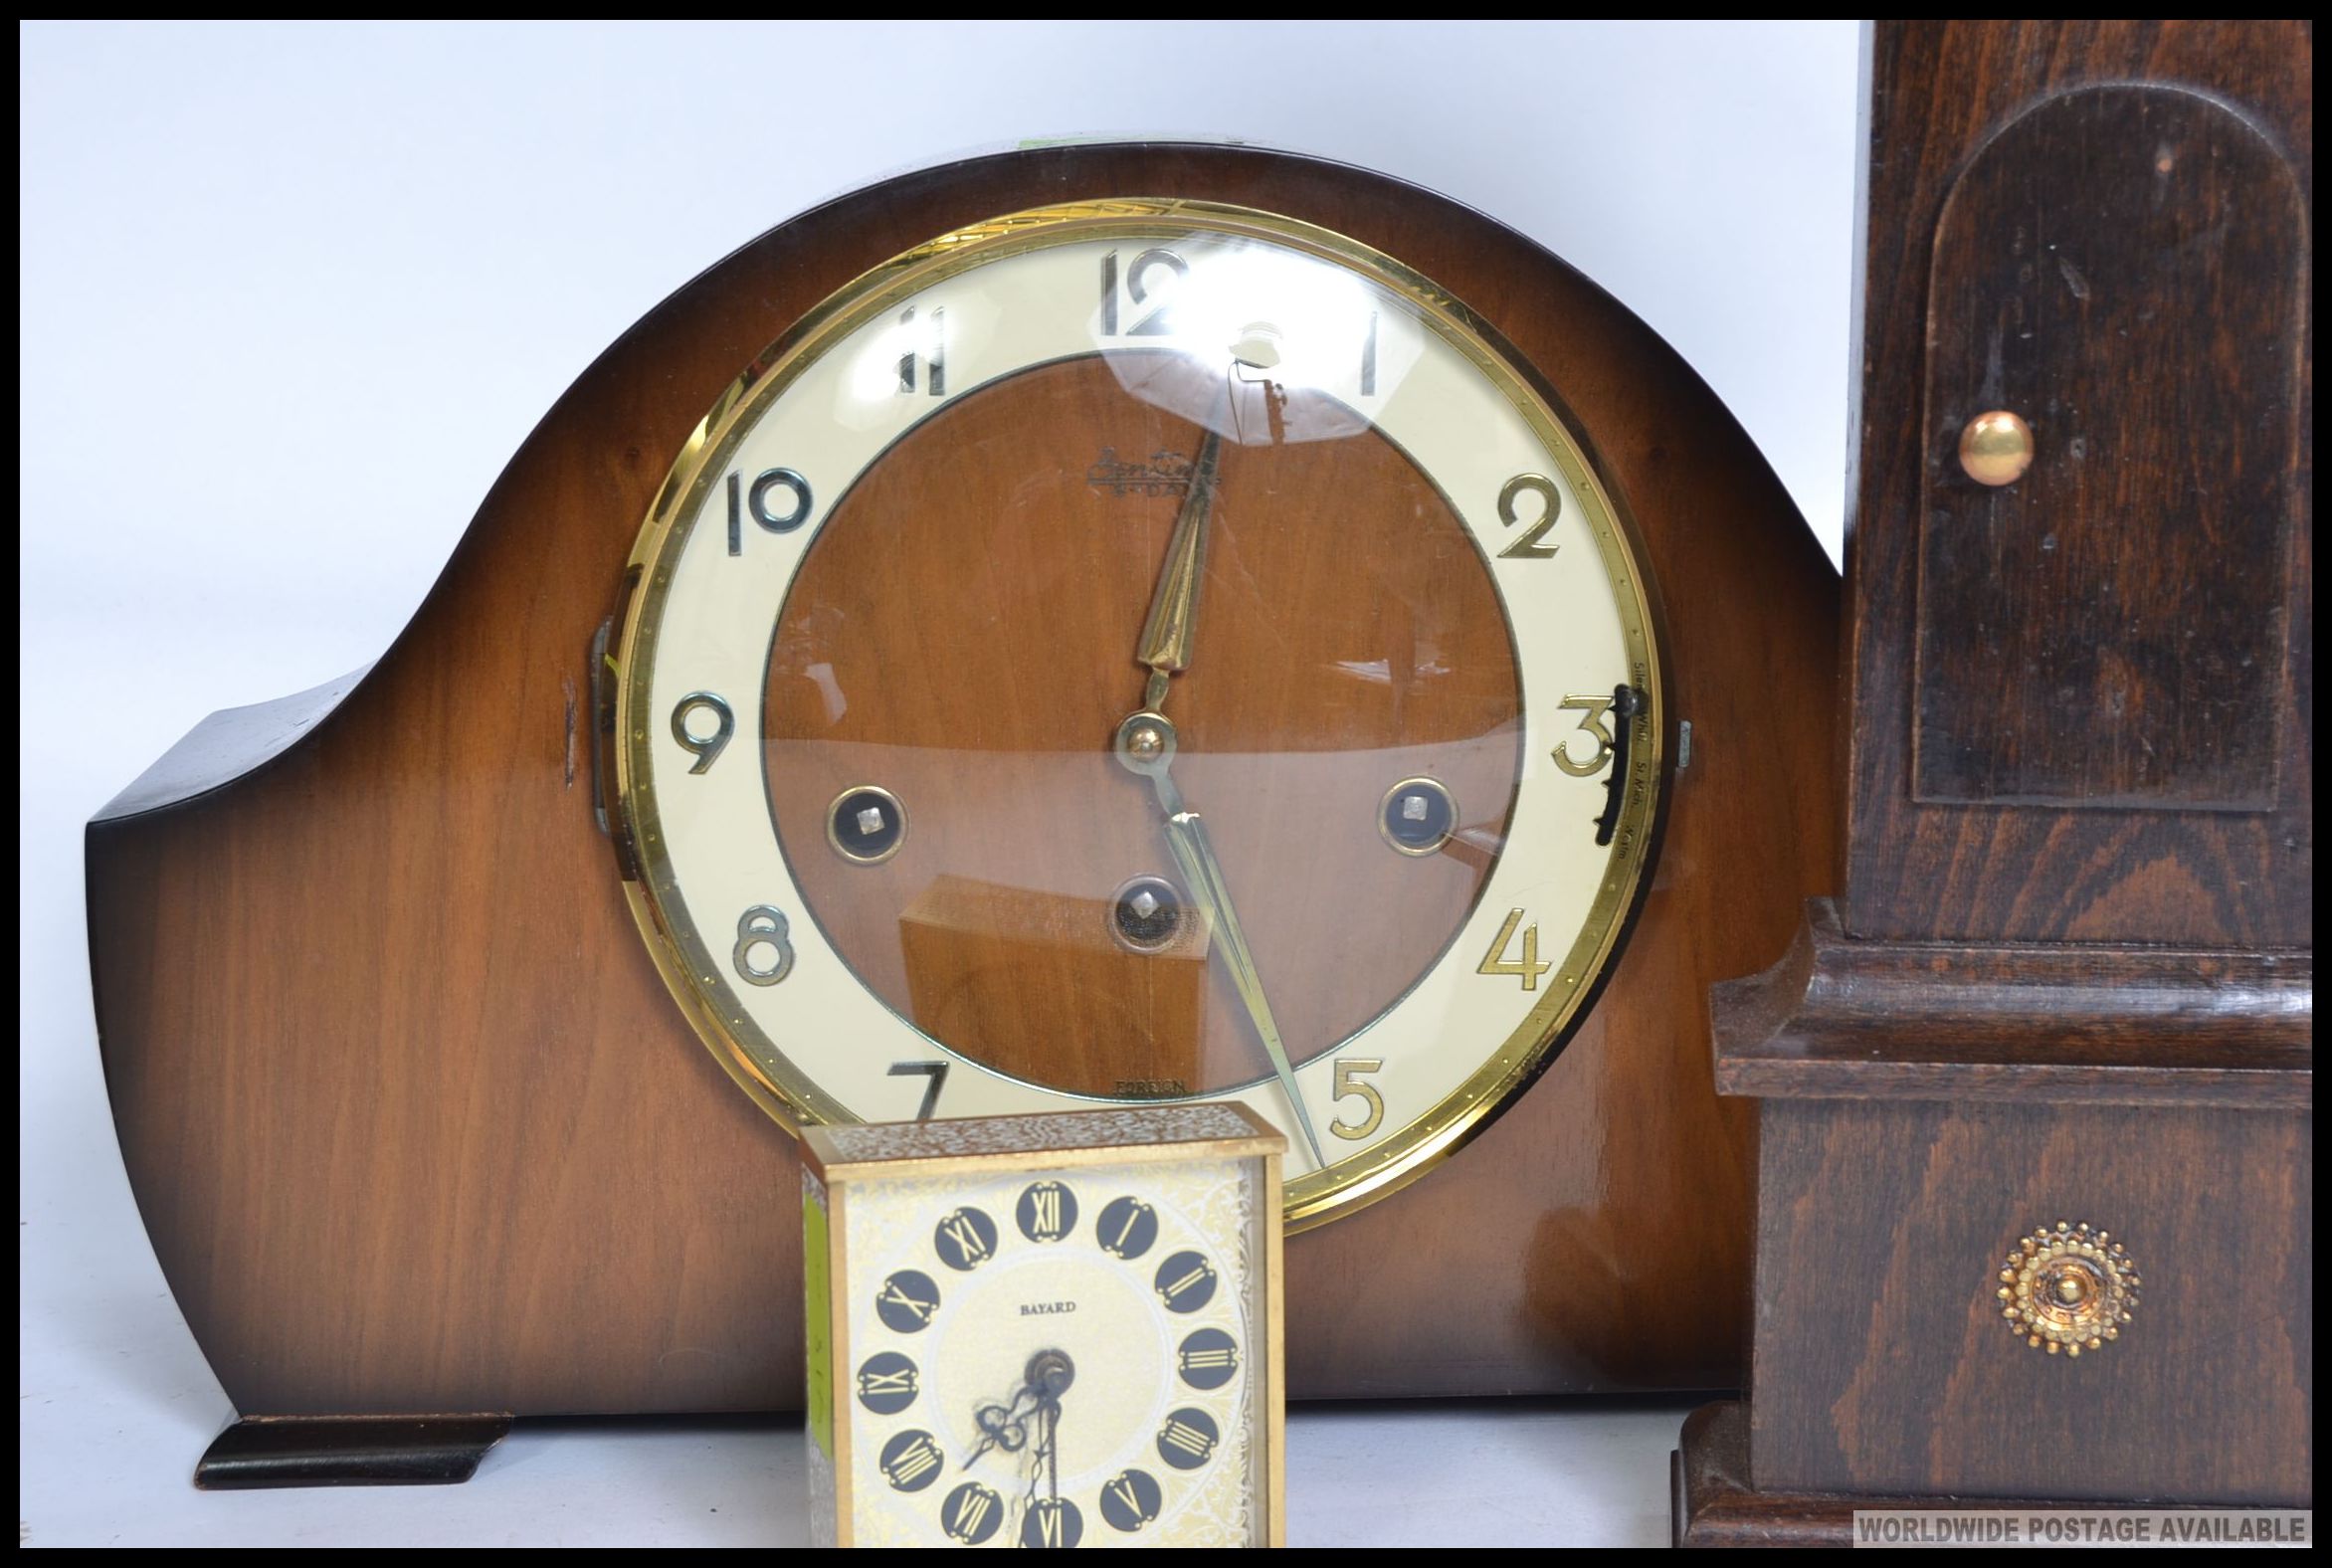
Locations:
{"points": [[2067, 613], [1891, 1372], [2070, 978], [1846, 1019], [2111, 629], [414, 1128]]}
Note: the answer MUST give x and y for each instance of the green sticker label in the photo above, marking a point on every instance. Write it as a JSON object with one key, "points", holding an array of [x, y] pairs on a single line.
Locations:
{"points": [[817, 1318]]}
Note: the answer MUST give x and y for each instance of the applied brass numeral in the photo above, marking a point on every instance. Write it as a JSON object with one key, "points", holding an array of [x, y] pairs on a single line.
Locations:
{"points": [[1594, 725], [1142, 282], [1349, 1081], [1528, 547], [933, 365], [761, 930], [1528, 967], [796, 490], [703, 747], [937, 1071]]}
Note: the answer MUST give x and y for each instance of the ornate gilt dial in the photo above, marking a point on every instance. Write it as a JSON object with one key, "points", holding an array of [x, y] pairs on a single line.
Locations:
{"points": [[1057, 1359], [1143, 650]]}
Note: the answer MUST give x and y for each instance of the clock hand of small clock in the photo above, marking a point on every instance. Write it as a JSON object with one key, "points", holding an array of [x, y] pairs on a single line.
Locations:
{"points": [[1045, 1456], [1052, 1449], [1166, 635], [1002, 1426], [1145, 745], [1006, 1427]]}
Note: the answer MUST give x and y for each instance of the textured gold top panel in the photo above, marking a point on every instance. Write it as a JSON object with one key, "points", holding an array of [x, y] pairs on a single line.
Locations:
{"points": [[1082, 1137]]}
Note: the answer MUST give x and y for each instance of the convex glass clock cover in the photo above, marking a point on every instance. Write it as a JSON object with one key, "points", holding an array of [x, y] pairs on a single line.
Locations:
{"points": [[1140, 650]]}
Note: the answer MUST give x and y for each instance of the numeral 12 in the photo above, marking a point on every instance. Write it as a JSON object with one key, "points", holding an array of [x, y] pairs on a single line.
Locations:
{"points": [[1139, 276], [934, 363]]}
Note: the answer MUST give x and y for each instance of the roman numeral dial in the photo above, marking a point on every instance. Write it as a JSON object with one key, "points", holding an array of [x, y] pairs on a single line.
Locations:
{"points": [[1057, 1359]]}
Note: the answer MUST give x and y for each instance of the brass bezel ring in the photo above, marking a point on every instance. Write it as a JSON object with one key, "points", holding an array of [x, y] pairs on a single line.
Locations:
{"points": [[788, 1093]]}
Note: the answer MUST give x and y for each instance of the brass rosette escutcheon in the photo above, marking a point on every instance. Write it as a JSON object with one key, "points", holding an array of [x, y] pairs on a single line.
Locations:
{"points": [[2067, 1289]]}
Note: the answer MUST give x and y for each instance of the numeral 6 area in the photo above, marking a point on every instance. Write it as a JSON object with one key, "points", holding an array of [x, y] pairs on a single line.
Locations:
{"points": [[1528, 966]]}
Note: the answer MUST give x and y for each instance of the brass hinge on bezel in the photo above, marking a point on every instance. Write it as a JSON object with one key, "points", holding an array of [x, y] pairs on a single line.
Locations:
{"points": [[604, 807]]}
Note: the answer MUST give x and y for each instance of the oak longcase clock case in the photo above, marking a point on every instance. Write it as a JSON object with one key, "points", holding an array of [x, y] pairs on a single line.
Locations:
{"points": [[1091, 625]]}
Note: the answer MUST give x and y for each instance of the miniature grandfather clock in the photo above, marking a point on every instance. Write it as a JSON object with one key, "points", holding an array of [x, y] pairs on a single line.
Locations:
{"points": [[2034, 1218]]}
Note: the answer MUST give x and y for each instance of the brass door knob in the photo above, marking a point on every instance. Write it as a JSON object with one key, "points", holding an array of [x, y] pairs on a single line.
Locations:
{"points": [[2068, 1289], [1996, 448]]}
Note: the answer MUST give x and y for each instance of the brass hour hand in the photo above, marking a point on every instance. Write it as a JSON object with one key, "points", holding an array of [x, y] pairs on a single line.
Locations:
{"points": [[1166, 635]]}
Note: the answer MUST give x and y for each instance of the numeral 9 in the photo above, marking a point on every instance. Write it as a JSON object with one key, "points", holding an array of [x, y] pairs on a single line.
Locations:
{"points": [[703, 747]]}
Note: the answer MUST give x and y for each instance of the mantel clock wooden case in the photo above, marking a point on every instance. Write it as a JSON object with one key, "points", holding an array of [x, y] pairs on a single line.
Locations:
{"points": [[1091, 625], [2033, 1089]]}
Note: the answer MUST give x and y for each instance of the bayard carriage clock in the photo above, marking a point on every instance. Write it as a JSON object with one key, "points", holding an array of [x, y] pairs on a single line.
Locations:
{"points": [[1092, 625], [1048, 1330]]}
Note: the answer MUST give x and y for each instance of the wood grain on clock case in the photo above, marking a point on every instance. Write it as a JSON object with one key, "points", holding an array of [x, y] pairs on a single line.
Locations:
{"points": [[1906, 1382], [414, 1126], [980, 552], [2071, 979], [2103, 730]]}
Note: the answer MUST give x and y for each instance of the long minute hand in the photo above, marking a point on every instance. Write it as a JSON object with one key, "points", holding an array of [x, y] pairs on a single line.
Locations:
{"points": [[1174, 607], [1186, 834]]}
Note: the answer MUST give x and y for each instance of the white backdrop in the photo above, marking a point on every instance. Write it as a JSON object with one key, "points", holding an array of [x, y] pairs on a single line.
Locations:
{"points": [[290, 297]]}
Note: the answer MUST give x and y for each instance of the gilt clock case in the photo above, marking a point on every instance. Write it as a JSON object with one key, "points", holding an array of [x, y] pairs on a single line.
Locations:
{"points": [[412, 1118]]}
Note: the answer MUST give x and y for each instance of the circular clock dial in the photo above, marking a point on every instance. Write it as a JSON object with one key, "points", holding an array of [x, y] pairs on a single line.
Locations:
{"points": [[1058, 1360], [1140, 650]]}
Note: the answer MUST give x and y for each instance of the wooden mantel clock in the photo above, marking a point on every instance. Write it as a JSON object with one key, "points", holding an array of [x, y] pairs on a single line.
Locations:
{"points": [[1092, 624], [2033, 1216]]}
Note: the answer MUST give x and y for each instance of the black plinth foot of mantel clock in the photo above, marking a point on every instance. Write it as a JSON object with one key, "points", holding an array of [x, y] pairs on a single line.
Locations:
{"points": [[349, 1451]]}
